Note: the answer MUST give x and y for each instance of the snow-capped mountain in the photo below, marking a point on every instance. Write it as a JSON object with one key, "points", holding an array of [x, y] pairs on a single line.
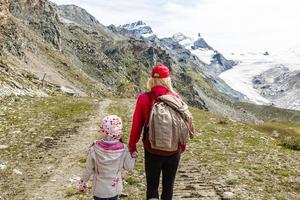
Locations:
{"points": [[268, 79], [187, 51], [138, 29], [199, 47]]}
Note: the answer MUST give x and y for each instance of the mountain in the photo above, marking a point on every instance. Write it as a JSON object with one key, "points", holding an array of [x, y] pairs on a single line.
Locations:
{"points": [[216, 62], [188, 51], [48, 50], [139, 29], [267, 79]]}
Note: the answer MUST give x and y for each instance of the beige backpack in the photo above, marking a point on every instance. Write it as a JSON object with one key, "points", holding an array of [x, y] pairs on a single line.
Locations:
{"points": [[170, 123]]}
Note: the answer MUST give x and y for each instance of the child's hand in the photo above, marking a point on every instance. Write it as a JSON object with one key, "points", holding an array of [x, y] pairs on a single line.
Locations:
{"points": [[134, 155], [82, 186]]}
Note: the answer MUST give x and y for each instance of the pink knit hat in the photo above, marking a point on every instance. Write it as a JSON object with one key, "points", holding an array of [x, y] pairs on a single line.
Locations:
{"points": [[111, 127]]}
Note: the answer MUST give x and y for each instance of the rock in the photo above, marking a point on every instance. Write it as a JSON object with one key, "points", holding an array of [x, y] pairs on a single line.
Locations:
{"points": [[2, 167], [202, 44], [68, 91], [4, 146], [275, 134], [17, 171], [48, 139], [228, 195], [74, 178]]}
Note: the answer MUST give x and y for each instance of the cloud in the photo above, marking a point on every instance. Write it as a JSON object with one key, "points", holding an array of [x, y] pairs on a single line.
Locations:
{"points": [[228, 25]]}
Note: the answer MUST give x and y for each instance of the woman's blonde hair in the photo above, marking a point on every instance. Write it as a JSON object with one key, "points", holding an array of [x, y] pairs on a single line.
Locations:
{"points": [[166, 82]]}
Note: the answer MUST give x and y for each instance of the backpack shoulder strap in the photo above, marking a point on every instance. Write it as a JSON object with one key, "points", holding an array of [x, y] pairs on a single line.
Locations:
{"points": [[152, 98]]}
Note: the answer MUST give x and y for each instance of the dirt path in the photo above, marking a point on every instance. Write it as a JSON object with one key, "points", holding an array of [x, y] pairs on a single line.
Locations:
{"points": [[66, 173], [195, 182]]}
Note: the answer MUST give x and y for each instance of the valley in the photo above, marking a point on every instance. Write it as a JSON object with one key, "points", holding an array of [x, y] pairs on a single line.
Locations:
{"points": [[62, 71]]}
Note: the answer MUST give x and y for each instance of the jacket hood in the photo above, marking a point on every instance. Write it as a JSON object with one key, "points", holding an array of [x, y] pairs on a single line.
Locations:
{"points": [[174, 102], [106, 151]]}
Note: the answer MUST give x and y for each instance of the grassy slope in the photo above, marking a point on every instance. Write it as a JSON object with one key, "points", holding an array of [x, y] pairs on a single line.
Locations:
{"points": [[30, 126], [249, 160], [246, 157], [267, 113]]}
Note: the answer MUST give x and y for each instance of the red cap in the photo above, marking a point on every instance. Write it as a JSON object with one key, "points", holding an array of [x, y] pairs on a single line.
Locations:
{"points": [[160, 71]]}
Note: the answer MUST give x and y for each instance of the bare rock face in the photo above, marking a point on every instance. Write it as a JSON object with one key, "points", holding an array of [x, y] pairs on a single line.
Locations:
{"points": [[40, 15], [77, 15], [280, 85], [201, 43], [4, 10]]}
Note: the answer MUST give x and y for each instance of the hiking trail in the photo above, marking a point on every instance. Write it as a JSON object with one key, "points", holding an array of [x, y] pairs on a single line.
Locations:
{"points": [[193, 180], [66, 174]]}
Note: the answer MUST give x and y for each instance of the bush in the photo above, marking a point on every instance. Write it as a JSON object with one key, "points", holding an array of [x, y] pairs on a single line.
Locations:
{"points": [[291, 143]]}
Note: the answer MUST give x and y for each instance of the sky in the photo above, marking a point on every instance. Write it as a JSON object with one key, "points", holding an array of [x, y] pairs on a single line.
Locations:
{"points": [[230, 26]]}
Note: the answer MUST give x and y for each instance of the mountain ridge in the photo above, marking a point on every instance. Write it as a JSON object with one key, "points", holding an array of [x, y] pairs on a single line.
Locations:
{"points": [[92, 60]]}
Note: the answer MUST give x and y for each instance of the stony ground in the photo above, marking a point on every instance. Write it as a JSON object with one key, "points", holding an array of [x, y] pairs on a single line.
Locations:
{"points": [[227, 159]]}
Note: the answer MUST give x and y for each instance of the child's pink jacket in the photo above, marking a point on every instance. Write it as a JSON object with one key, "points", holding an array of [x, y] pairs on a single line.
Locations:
{"points": [[105, 161]]}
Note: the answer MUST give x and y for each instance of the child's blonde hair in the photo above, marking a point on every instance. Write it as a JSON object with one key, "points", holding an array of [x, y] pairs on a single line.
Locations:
{"points": [[166, 82]]}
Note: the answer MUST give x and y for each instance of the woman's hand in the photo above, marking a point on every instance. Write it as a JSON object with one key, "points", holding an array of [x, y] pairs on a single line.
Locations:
{"points": [[182, 147]]}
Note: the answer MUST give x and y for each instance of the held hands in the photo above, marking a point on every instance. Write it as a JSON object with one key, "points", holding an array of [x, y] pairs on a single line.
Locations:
{"points": [[134, 155], [182, 148], [82, 186]]}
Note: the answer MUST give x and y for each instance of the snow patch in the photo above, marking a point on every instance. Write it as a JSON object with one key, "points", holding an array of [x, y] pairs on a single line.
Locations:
{"points": [[186, 42], [147, 35], [204, 55], [252, 64]]}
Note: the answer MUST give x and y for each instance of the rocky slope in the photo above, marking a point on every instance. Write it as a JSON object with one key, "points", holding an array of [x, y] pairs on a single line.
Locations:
{"points": [[280, 85]]}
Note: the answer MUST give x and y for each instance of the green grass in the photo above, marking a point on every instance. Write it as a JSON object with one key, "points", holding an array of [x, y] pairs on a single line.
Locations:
{"points": [[30, 126], [269, 113], [247, 156], [243, 156], [134, 181], [287, 134]]}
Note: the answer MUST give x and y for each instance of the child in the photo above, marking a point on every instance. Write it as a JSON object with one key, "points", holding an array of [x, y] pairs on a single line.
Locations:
{"points": [[106, 159]]}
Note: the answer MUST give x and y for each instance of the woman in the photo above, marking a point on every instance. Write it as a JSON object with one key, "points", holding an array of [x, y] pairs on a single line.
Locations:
{"points": [[156, 161]]}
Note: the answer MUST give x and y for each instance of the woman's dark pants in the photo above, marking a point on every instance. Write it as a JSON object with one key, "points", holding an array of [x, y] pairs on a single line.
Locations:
{"points": [[154, 165]]}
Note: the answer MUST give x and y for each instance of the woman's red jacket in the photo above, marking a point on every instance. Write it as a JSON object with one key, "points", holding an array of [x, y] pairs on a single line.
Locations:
{"points": [[141, 118]]}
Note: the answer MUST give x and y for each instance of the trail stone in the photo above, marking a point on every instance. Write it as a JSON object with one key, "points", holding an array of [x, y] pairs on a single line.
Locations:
{"points": [[18, 172], [3, 146], [228, 195], [2, 167], [275, 134]]}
